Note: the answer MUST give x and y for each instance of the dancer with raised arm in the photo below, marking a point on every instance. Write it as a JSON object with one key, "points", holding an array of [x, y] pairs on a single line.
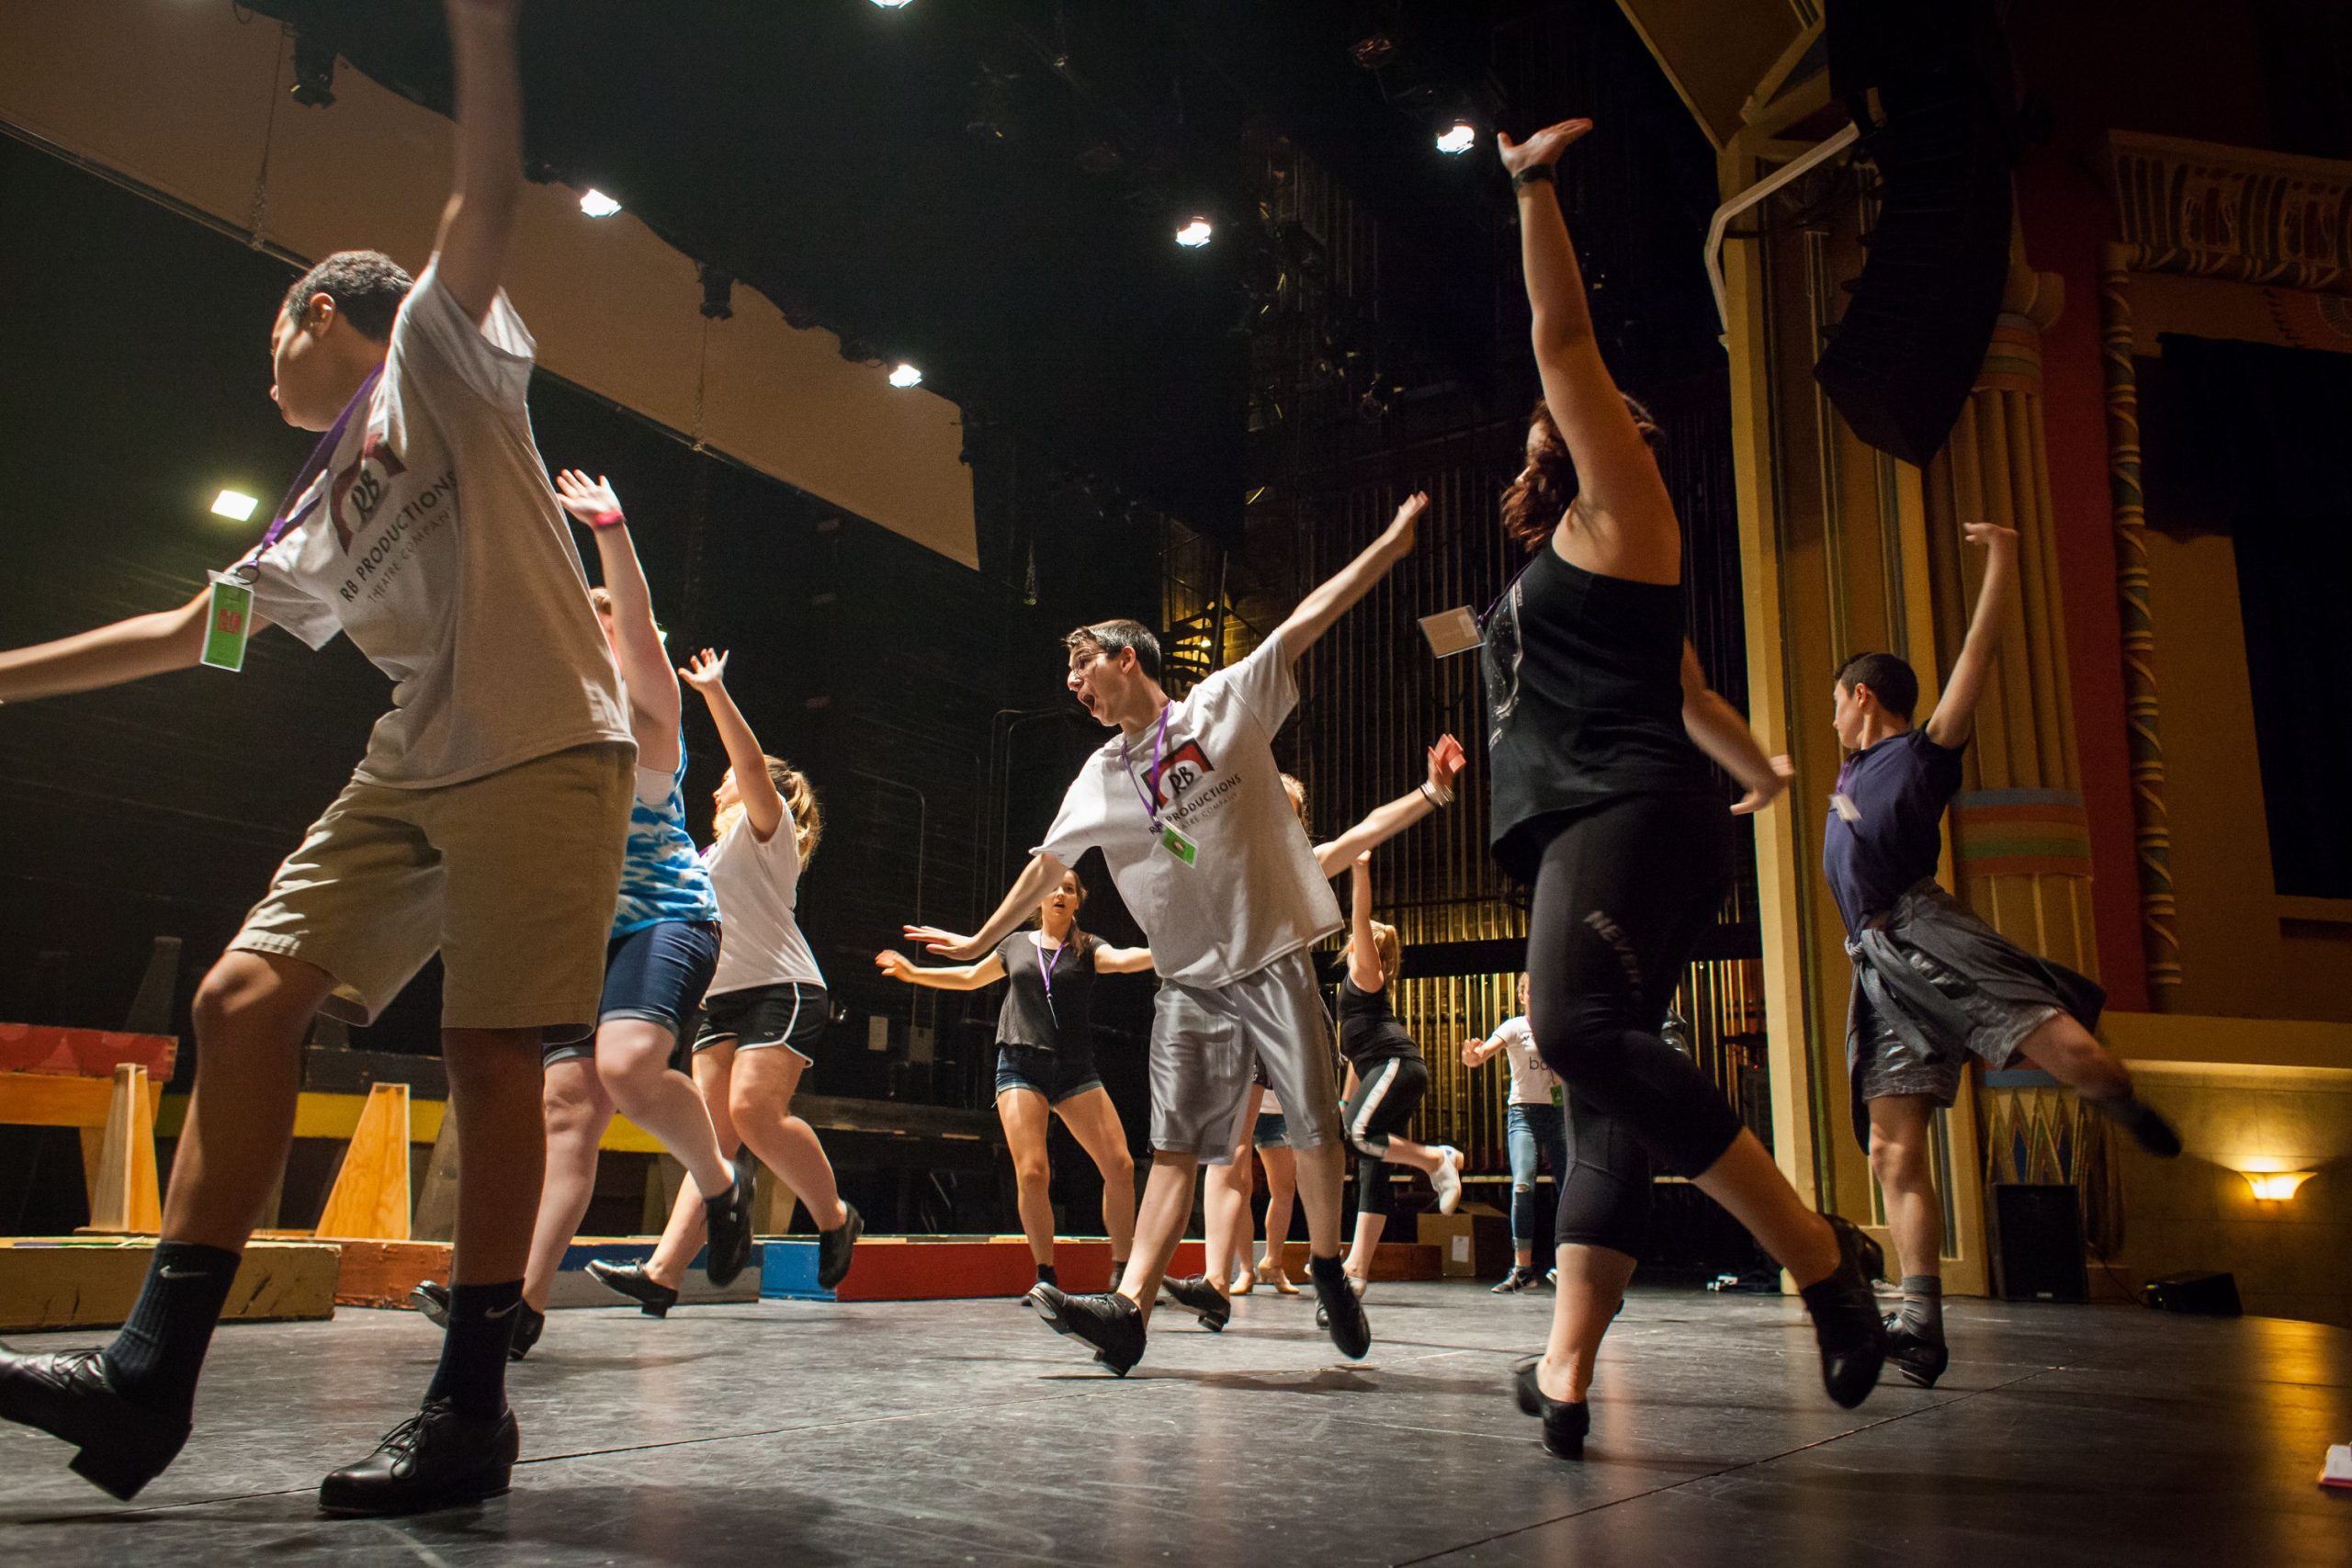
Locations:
{"points": [[1535, 1131], [1044, 1061], [1187, 805], [1224, 1189], [664, 946], [486, 820], [764, 1019], [1934, 985], [1601, 723], [1388, 1078]]}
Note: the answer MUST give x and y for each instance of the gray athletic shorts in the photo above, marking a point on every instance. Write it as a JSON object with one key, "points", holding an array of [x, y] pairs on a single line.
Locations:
{"points": [[1208, 1043]]}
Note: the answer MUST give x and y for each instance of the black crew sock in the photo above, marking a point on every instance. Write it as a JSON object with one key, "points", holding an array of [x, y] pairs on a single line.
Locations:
{"points": [[1331, 1270], [473, 1373], [1923, 1307], [156, 1358], [1046, 1275]]}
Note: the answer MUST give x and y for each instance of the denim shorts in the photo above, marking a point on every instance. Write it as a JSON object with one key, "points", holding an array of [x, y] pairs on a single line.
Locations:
{"points": [[1056, 1075], [656, 973]]}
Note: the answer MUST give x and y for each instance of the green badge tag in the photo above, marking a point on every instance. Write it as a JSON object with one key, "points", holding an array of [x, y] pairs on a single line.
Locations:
{"points": [[229, 624], [1176, 844]]}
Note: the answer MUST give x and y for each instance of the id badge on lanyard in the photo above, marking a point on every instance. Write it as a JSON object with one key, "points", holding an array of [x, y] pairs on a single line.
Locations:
{"points": [[227, 623], [1180, 848]]}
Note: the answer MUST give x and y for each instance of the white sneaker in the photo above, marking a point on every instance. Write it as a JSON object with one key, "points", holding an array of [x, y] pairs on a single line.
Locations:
{"points": [[1446, 1180]]}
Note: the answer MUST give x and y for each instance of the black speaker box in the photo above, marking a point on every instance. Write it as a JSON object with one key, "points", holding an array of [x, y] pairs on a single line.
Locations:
{"points": [[2215, 1295], [2037, 1237]]}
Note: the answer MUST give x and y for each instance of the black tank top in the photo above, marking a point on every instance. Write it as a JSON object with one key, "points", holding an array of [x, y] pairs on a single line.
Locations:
{"points": [[1584, 702], [1368, 1032], [1028, 1017]]}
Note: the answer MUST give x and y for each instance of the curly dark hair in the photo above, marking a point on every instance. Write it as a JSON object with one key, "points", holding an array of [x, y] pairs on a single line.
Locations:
{"points": [[365, 285], [1541, 495]]}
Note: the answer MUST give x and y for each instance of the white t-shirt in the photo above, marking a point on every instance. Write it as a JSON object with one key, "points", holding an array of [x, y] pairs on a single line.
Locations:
{"points": [[1532, 1083], [433, 539], [758, 887], [1254, 893]]}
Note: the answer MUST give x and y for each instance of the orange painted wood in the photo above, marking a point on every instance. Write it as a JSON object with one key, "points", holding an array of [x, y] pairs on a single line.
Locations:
{"points": [[47, 1100], [85, 1052], [370, 1199], [383, 1273], [91, 1283], [127, 1197]]}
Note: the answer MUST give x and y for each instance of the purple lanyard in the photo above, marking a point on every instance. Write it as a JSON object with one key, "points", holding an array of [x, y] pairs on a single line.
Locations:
{"points": [[1045, 973], [1159, 741], [313, 467]]}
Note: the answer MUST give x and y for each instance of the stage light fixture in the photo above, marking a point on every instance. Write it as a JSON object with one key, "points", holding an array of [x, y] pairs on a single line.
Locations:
{"points": [[235, 505], [2274, 1186], [894, 5], [313, 71], [903, 375], [1195, 234], [596, 204], [718, 292], [1458, 138]]}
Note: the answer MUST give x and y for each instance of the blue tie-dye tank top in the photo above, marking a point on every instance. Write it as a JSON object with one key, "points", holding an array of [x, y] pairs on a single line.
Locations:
{"points": [[663, 877]]}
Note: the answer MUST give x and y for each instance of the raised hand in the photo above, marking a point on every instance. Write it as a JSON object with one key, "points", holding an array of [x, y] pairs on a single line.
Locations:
{"points": [[1446, 763], [590, 501], [1995, 538], [1761, 795], [1473, 1053], [706, 671], [896, 965], [1406, 525], [947, 943], [1544, 147]]}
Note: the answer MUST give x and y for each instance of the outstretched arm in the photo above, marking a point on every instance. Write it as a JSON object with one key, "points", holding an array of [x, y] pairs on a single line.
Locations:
{"points": [[645, 663], [1621, 492], [1955, 712], [1121, 960], [1385, 822], [478, 224], [1719, 729], [1043, 873], [950, 978], [108, 656], [1478, 1053], [1335, 596], [1363, 953], [762, 804]]}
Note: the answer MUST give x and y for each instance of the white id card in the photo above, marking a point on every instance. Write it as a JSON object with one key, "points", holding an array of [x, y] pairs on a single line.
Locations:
{"points": [[1843, 804], [1452, 631]]}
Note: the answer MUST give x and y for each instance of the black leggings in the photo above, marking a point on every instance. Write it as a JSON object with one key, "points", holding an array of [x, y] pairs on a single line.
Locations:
{"points": [[1622, 897], [1388, 1093]]}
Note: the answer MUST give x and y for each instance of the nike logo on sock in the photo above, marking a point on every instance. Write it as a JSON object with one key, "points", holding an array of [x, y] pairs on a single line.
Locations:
{"points": [[181, 1273], [506, 1311]]}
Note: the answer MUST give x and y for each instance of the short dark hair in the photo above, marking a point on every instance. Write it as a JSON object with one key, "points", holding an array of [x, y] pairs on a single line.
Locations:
{"points": [[365, 285], [1889, 679], [1108, 637]]}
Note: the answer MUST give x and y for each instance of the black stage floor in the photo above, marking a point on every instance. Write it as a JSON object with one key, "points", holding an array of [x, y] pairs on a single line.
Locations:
{"points": [[964, 1433]]}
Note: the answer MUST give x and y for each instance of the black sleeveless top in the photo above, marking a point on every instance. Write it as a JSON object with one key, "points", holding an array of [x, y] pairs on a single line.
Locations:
{"points": [[1368, 1032], [1584, 702], [1064, 1021]]}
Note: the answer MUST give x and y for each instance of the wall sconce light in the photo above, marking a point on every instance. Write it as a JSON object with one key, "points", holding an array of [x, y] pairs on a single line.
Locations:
{"points": [[2274, 1186]]}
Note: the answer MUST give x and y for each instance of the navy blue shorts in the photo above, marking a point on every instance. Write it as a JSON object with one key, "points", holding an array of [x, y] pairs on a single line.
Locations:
{"points": [[1056, 1075], [656, 973], [1273, 1132]]}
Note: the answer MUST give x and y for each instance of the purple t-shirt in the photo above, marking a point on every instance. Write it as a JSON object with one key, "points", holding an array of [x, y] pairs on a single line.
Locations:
{"points": [[1885, 827]]}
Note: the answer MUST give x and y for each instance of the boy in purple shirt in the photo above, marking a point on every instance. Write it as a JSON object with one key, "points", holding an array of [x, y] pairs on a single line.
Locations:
{"points": [[1934, 984]]}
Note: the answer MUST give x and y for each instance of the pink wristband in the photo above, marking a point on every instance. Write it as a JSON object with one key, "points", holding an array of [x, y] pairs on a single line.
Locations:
{"points": [[607, 520]]}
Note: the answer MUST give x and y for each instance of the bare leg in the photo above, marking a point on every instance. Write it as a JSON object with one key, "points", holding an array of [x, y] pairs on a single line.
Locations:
{"points": [[575, 1111], [495, 1088], [1367, 1244], [1322, 1175], [1093, 1121], [1024, 1113], [683, 1237], [1899, 1146], [1592, 1282], [1282, 1191], [1224, 1201], [251, 1014], [1744, 1180], [1405, 1152], [1160, 1226], [760, 1099], [2069, 1052], [633, 1064]]}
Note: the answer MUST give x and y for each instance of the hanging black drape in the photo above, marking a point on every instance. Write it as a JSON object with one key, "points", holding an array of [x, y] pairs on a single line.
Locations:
{"points": [[2256, 442]]}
